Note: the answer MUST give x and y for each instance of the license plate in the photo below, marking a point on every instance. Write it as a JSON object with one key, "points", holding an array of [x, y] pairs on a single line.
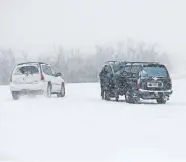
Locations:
{"points": [[154, 84]]}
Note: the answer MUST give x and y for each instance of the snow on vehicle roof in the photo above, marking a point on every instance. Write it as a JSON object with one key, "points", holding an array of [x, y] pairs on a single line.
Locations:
{"points": [[32, 63], [142, 63]]}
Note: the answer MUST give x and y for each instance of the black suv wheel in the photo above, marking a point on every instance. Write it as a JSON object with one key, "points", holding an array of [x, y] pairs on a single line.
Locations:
{"points": [[107, 95], [161, 101], [131, 97]]}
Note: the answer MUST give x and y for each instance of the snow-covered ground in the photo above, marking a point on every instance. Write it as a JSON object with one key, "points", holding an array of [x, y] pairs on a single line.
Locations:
{"points": [[82, 127]]}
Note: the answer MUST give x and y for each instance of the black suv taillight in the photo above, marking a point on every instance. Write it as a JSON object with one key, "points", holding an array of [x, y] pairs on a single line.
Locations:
{"points": [[138, 84]]}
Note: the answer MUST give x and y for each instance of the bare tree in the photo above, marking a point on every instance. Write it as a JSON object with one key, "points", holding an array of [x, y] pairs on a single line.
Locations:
{"points": [[7, 62], [25, 56]]}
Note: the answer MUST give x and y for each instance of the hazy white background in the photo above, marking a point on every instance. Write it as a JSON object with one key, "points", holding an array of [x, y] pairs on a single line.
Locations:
{"points": [[81, 126], [37, 26]]}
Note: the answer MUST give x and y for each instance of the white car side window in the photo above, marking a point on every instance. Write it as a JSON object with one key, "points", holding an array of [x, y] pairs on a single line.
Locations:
{"points": [[19, 71], [47, 70], [53, 72]]}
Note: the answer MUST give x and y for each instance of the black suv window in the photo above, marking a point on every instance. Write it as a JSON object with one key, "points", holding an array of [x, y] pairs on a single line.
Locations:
{"points": [[135, 69], [157, 71], [27, 70], [118, 67], [127, 69], [108, 69]]}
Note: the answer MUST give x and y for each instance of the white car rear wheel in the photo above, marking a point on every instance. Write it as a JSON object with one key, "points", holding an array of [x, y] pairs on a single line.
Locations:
{"points": [[15, 95], [49, 90]]}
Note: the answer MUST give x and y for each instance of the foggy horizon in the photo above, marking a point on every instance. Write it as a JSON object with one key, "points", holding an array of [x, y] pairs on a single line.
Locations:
{"points": [[37, 26], [93, 80]]}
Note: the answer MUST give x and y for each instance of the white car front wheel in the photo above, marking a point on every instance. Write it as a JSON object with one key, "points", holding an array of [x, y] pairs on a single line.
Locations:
{"points": [[62, 92]]}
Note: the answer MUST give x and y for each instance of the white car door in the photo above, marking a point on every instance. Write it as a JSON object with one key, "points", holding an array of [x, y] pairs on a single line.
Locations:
{"points": [[58, 81], [49, 77]]}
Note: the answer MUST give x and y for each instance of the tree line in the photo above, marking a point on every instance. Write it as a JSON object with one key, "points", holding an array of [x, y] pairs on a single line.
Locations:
{"points": [[78, 68]]}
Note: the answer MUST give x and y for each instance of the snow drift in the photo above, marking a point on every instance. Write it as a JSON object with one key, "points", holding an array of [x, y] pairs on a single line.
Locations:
{"points": [[82, 127]]}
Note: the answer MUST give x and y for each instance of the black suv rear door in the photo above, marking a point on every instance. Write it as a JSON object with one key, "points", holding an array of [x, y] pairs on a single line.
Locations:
{"points": [[133, 76], [155, 77]]}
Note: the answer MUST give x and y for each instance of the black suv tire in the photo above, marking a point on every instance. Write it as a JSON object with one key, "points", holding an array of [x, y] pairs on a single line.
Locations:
{"points": [[161, 101], [116, 95], [129, 97], [107, 95]]}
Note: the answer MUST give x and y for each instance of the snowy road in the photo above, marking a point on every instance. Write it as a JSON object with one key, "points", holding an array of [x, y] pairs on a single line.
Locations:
{"points": [[82, 127]]}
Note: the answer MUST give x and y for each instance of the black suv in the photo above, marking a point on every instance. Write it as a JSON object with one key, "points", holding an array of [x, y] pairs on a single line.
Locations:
{"points": [[135, 80]]}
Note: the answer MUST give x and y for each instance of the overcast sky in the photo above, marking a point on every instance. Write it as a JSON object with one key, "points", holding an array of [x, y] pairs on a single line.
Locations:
{"points": [[37, 25]]}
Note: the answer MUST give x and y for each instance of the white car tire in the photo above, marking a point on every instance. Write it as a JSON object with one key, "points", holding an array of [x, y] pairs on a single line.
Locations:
{"points": [[49, 91], [62, 92], [15, 95]]}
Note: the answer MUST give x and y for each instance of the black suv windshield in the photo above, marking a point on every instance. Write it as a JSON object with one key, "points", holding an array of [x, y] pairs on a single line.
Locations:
{"points": [[157, 71]]}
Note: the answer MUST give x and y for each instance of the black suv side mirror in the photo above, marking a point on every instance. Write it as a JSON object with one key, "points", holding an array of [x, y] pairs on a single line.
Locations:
{"points": [[58, 74]]}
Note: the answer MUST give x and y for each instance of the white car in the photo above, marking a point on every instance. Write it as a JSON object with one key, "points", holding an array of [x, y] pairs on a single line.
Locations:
{"points": [[32, 78]]}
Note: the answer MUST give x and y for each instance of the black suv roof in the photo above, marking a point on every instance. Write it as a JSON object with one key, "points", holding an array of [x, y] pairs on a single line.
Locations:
{"points": [[131, 62], [141, 63], [110, 62]]}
